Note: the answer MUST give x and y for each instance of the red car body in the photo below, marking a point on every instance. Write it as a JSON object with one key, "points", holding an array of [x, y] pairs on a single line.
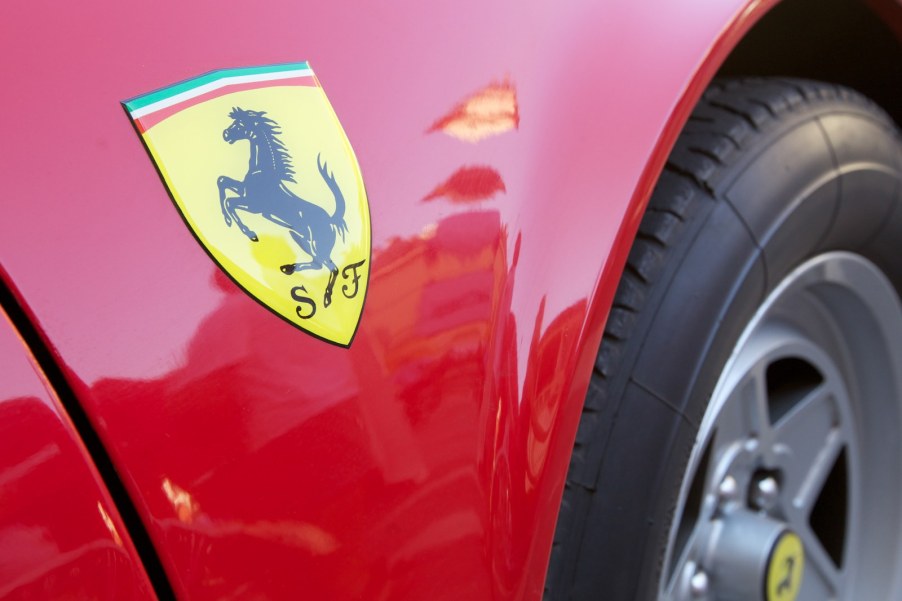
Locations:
{"points": [[427, 460]]}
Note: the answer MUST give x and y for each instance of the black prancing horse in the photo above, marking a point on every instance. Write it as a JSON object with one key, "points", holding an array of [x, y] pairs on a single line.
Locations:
{"points": [[785, 585], [264, 192]]}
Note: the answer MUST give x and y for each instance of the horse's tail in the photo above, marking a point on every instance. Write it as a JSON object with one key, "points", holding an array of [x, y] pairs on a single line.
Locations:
{"points": [[338, 217]]}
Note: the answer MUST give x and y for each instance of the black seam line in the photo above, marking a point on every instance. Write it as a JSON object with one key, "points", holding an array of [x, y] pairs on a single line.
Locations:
{"points": [[44, 357], [895, 206], [664, 402], [839, 183], [755, 242]]}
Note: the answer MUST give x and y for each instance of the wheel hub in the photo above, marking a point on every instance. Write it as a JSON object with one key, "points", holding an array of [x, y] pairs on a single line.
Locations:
{"points": [[753, 556], [797, 461]]}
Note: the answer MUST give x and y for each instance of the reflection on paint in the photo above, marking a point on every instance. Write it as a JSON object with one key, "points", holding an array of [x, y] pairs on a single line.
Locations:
{"points": [[491, 111], [428, 231], [186, 508], [386, 431], [10, 475], [107, 520], [300, 535], [544, 383], [469, 184]]}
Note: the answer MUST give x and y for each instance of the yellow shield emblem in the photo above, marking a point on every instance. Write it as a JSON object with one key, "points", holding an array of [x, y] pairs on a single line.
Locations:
{"points": [[260, 169]]}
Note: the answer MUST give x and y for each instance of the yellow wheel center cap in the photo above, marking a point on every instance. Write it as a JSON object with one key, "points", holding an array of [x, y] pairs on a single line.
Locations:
{"points": [[785, 568]]}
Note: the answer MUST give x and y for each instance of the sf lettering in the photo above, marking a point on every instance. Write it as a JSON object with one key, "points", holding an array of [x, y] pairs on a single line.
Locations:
{"points": [[306, 307]]}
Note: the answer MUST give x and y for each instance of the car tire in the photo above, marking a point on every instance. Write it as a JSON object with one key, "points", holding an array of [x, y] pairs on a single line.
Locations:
{"points": [[769, 261]]}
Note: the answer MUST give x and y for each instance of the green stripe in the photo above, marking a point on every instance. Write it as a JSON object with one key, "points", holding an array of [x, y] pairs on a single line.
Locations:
{"points": [[163, 93]]}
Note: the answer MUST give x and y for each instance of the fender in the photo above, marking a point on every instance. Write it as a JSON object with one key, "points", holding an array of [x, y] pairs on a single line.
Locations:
{"points": [[51, 548], [508, 151]]}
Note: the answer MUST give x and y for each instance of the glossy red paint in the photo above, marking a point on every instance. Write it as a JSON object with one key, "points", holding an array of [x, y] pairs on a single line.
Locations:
{"points": [[469, 184], [60, 534], [426, 461]]}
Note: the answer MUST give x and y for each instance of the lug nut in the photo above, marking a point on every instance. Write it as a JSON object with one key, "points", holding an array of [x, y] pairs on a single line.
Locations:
{"points": [[728, 490], [765, 492], [698, 584]]}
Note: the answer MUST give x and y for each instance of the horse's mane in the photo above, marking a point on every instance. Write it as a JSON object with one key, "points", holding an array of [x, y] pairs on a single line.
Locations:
{"points": [[270, 130]]}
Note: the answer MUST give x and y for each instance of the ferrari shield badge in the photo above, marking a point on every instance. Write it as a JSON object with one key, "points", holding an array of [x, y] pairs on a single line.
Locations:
{"points": [[261, 170]]}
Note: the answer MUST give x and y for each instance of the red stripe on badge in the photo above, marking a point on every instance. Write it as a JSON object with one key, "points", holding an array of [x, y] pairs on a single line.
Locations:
{"points": [[147, 121]]}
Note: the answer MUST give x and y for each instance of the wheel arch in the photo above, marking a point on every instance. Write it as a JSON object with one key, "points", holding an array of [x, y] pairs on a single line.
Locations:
{"points": [[761, 41], [855, 43]]}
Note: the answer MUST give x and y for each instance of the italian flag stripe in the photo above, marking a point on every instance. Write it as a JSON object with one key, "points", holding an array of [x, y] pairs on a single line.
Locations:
{"points": [[151, 108]]}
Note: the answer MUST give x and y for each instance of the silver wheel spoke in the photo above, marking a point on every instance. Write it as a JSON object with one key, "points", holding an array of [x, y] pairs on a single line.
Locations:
{"points": [[744, 416], [754, 400], [812, 439], [819, 567]]}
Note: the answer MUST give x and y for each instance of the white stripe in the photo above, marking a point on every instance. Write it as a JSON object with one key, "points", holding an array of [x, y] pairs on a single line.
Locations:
{"points": [[215, 85]]}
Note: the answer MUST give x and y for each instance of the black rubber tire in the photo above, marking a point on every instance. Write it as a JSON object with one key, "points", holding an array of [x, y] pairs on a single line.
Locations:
{"points": [[766, 174]]}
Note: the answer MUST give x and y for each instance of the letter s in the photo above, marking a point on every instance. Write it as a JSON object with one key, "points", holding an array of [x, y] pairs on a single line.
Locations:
{"points": [[304, 300]]}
